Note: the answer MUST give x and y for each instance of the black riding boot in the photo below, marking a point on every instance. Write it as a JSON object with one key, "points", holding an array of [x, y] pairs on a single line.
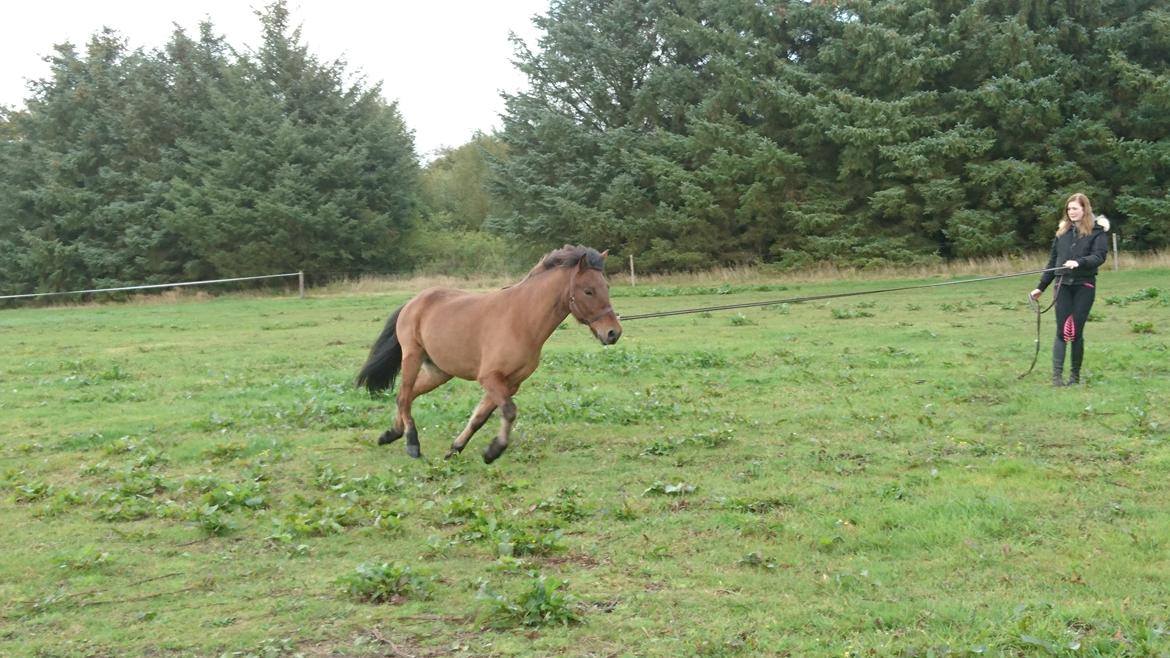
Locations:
{"points": [[1058, 363], [1078, 357]]}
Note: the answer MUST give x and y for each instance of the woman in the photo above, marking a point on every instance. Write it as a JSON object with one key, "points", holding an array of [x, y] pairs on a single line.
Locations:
{"points": [[1080, 247]]}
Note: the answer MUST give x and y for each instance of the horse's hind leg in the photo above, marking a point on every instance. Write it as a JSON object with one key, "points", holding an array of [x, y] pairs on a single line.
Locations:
{"points": [[482, 412], [404, 423], [398, 429], [424, 380], [429, 378], [390, 436]]}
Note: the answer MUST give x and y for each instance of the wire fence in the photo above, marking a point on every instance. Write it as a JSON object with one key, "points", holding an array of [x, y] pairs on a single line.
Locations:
{"points": [[300, 286]]}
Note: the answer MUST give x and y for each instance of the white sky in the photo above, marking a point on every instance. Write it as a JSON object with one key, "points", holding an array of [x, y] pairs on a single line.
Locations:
{"points": [[444, 61]]}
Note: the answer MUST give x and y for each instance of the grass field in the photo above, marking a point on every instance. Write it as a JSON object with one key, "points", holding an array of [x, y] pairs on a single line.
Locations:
{"points": [[863, 476]]}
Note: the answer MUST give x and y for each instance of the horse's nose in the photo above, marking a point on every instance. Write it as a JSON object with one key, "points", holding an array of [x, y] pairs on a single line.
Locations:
{"points": [[612, 336]]}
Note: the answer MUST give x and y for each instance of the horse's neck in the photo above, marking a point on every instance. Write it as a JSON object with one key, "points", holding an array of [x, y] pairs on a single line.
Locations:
{"points": [[545, 299]]}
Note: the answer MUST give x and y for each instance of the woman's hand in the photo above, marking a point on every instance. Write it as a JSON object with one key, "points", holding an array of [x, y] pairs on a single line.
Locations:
{"points": [[1035, 294], [1071, 264]]}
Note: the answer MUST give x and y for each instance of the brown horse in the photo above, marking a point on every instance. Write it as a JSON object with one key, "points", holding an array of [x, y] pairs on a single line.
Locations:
{"points": [[493, 338]]}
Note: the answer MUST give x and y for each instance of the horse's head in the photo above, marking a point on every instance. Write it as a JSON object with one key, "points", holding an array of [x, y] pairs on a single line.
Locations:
{"points": [[589, 302]]}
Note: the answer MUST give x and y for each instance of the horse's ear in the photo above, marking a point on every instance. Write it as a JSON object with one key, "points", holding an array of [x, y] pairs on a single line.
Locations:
{"points": [[604, 254], [583, 263]]}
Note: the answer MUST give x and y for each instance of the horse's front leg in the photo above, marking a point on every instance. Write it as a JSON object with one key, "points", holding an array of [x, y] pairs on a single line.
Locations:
{"points": [[482, 412], [500, 443], [499, 392]]}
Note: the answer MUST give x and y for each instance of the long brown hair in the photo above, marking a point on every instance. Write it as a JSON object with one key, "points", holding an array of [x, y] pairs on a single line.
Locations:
{"points": [[1088, 220]]}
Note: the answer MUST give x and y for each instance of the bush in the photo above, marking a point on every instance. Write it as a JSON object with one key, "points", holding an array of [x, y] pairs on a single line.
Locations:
{"points": [[461, 253]]}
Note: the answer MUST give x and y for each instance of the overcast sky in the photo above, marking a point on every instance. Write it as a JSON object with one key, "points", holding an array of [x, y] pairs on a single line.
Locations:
{"points": [[444, 61]]}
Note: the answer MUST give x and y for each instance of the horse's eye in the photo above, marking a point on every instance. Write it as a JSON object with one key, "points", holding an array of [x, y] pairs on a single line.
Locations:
{"points": [[589, 292]]}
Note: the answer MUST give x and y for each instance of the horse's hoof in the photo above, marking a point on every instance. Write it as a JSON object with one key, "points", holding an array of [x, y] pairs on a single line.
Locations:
{"points": [[492, 453], [389, 436], [450, 454], [413, 450]]}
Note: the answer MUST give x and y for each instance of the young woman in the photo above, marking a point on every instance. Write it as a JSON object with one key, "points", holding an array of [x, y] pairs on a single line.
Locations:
{"points": [[1080, 248]]}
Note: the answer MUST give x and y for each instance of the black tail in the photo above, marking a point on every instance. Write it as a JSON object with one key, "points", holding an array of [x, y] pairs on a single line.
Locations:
{"points": [[385, 359]]}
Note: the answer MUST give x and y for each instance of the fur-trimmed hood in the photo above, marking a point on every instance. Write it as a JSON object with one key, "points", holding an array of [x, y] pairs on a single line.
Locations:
{"points": [[1102, 221]]}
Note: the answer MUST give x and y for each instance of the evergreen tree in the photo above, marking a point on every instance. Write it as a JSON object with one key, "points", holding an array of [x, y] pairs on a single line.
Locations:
{"points": [[193, 161], [1134, 83], [293, 168], [83, 169], [641, 132], [860, 130], [17, 178], [688, 132]]}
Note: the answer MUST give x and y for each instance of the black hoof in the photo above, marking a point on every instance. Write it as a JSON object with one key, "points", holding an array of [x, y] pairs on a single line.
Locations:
{"points": [[492, 453], [389, 436], [451, 453], [412, 442]]}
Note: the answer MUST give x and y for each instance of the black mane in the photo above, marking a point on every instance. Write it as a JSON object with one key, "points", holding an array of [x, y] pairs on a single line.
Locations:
{"points": [[569, 256]]}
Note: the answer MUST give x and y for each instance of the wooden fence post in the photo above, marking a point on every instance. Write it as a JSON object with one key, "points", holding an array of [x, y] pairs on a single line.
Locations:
{"points": [[301, 284], [1116, 255], [633, 279]]}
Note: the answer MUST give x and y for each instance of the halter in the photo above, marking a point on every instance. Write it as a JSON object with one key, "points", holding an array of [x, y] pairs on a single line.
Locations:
{"points": [[573, 305]]}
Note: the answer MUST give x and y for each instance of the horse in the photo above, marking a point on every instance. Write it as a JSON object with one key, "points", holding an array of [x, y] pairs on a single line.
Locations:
{"points": [[492, 338]]}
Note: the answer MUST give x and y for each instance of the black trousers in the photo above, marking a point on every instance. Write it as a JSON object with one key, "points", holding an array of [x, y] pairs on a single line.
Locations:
{"points": [[1073, 303]]}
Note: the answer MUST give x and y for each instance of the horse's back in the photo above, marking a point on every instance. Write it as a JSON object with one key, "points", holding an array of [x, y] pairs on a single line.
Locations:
{"points": [[441, 303]]}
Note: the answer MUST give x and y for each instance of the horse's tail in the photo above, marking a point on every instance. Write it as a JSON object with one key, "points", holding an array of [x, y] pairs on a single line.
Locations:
{"points": [[385, 359]]}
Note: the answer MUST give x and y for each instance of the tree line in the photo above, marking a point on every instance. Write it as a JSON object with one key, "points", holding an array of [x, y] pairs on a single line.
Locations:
{"points": [[197, 161], [687, 132], [701, 131]]}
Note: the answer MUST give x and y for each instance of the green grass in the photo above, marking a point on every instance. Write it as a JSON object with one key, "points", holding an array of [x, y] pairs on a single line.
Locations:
{"points": [[863, 476]]}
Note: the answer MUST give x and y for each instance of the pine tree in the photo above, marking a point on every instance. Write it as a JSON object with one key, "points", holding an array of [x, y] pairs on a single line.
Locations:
{"points": [[641, 132], [294, 169], [862, 131], [90, 150]]}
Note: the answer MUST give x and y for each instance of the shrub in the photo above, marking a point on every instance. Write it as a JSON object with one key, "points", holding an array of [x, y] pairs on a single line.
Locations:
{"points": [[461, 253]]}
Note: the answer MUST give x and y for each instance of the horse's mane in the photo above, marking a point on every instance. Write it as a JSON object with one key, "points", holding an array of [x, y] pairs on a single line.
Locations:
{"points": [[567, 256]]}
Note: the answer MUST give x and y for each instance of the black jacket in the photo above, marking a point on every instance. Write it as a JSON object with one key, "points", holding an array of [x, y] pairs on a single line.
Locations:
{"points": [[1089, 251]]}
